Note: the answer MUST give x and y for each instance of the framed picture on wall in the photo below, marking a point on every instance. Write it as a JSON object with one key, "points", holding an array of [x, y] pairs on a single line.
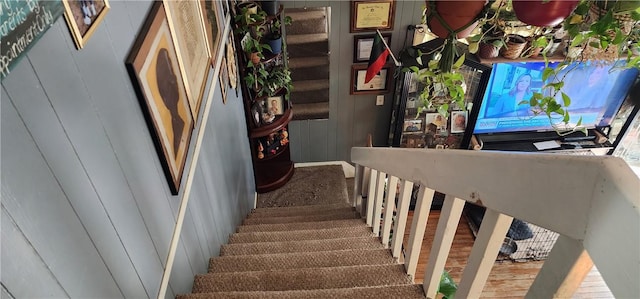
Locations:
{"points": [[213, 26], [378, 85], [362, 46], [372, 15], [187, 27], [223, 78], [458, 121], [155, 73], [232, 63], [83, 17]]}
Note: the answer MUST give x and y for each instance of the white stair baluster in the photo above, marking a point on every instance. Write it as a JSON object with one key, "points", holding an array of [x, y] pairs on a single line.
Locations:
{"points": [[377, 210], [418, 226], [401, 220], [389, 207], [371, 196]]}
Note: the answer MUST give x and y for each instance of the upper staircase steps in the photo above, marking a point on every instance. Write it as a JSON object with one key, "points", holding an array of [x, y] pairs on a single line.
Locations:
{"points": [[308, 49]]}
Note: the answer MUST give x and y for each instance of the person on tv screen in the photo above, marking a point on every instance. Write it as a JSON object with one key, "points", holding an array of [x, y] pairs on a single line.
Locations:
{"points": [[509, 103]]}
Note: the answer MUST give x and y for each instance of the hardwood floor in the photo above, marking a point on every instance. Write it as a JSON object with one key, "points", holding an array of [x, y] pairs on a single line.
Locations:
{"points": [[507, 279]]}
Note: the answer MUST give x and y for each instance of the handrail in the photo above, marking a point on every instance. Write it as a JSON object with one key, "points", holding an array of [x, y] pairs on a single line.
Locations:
{"points": [[585, 199]]}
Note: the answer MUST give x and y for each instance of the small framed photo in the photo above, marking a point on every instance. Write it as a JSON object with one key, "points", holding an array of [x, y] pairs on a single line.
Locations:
{"points": [[436, 119], [458, 121], [372, 15], [83, 17], [378, 85], [414, 125], [362, 46], [274, 104]]}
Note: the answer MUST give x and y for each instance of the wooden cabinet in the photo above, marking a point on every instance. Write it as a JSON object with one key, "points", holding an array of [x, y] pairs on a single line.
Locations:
{"points": [[265, 90]]}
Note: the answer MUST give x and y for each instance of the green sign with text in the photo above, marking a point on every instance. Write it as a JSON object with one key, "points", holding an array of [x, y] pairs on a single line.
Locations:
{"points": [[22, 23]]}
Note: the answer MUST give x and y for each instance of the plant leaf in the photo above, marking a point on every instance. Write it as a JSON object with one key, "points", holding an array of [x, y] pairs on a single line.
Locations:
{"points": [[546, 73], [566, 99], [459, 62]]}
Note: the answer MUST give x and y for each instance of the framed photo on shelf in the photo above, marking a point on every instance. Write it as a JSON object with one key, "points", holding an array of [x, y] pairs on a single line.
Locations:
{"points": [[274, 104], [362, 46], [186, 23], [83, 17], [155, 73], [436, 119], [458, 121], [372, 15], [213, 24], [378, 85], [413, 125]]}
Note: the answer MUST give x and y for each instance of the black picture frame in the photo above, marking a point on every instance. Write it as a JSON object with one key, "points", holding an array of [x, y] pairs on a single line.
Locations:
{"points": [[363, 42]]}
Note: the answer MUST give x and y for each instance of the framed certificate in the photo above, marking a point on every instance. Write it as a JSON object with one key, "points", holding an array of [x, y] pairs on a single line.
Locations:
{"points": [[378, 85], [362, 46], [372, 15]]}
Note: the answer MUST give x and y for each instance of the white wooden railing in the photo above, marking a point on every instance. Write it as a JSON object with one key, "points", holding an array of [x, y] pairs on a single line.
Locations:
{"points": [[592, 202]]}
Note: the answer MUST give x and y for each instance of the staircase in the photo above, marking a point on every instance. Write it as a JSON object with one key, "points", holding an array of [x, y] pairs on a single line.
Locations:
{"points": [[308, 48], [321, 251]]}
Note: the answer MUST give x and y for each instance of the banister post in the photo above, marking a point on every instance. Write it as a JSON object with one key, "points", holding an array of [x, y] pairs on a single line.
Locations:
{"points": [[377, 210], [564, 270], [447, 225], [483, 255], [357, 187], [371, 196], [388, 209], [401, 220], [418, 226]]}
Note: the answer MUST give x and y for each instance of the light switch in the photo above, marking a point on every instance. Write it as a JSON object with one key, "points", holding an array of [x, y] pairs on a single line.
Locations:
{"points": [[380, 100]]}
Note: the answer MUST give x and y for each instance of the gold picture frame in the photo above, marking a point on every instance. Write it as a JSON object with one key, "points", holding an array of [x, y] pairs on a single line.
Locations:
{"points": [[213, 26], [83, 17], [155, 73], [190, 40], [372, 15]]}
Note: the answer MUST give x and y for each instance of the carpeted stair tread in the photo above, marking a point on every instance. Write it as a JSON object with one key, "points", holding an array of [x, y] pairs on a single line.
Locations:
{"points": [[311, 85], [315, 23], [300, 246], [311, 111], [413, 291], [298, 260], [300, 235], [288, 213], [302, 279], [320, 72], [309, 97], [309, 218], [306, 209], [296, 63], [308, 49], [298, 39], [299, 225]]}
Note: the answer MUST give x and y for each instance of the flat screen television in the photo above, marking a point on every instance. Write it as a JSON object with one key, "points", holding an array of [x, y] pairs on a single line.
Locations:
{"points": [[596, 94]]}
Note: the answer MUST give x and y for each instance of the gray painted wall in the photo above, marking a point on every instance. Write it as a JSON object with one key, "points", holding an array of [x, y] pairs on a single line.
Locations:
{"points": [[351, 117], [86, 210]]}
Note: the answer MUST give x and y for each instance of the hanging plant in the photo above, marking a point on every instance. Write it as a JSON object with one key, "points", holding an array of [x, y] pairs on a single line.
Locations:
{"points": [[543, 12]]}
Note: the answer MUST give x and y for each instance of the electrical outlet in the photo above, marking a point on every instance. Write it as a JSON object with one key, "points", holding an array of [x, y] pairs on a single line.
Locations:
{"points": [[380, 100]]}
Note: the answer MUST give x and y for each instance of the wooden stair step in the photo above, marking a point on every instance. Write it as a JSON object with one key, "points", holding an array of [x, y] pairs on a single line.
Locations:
{"points": [[299, 260], [302, 279], [288, 213], [307, 208], [300, 235], [412, 291], [299, 225], [301, 246], [309, 218]]}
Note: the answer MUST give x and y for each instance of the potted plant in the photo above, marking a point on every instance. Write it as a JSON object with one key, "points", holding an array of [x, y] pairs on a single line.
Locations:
{"points": [[257, 77], [279, 78], [254, 49], [274, 35], [543, 12]]}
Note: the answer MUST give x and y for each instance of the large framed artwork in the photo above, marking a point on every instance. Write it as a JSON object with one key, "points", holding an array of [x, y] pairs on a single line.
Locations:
{"points": [[190, 40], [213, 26], [83, 17], [371, 15], [154, 70]]}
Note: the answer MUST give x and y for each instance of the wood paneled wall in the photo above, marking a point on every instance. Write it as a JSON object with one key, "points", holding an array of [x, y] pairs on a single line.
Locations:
{"points": [[86, 209], [351, 117]]}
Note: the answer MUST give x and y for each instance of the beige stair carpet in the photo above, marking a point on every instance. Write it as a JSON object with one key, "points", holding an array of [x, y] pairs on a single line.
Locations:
{"points": [[317, 246]]}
